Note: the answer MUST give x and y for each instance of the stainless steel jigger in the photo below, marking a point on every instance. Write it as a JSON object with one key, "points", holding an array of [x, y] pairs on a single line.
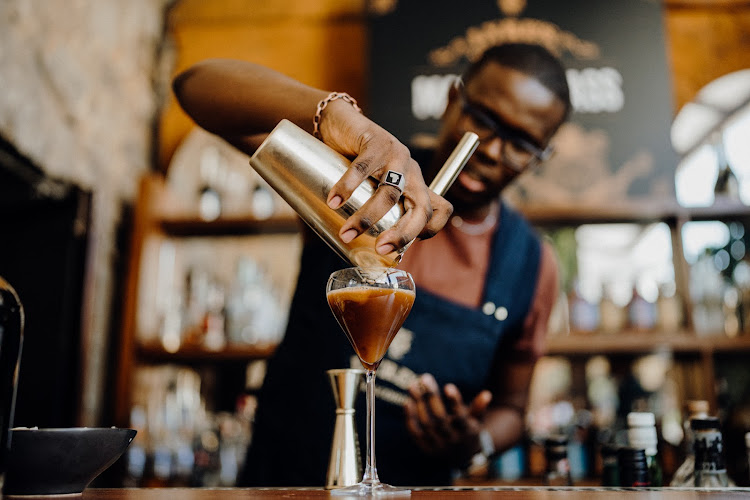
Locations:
{"points": [[345, 464]]}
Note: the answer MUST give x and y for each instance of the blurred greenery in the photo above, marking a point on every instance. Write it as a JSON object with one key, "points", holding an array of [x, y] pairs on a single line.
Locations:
{"points": [[563, 240]]}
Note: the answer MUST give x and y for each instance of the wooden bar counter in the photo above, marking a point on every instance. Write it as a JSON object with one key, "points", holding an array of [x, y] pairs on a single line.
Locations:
{"points": [[459, 493]]}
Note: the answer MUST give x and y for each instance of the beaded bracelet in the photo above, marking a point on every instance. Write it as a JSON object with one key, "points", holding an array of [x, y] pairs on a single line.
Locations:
{"points": [[322, 105]]}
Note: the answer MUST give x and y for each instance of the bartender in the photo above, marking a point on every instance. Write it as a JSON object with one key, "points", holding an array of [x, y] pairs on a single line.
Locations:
{"points": [[453, 387]]}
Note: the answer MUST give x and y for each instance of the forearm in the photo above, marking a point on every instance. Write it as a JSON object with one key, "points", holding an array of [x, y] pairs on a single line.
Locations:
{"points": [[238, 99], [242, 102]]}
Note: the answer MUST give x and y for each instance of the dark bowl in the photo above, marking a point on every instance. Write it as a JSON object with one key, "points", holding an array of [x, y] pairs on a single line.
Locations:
{"points": [[61, 461]]}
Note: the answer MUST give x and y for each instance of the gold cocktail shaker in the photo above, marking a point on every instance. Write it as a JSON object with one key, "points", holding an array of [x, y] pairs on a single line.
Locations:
{"points": [[303, 170]]}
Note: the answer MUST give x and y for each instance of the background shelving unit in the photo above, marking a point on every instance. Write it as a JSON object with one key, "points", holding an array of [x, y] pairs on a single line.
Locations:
{"points": [[683, 344], [159, 217]]}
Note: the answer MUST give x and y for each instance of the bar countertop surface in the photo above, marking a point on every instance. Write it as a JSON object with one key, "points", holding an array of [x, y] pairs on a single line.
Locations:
{"points": [[458, 493]]}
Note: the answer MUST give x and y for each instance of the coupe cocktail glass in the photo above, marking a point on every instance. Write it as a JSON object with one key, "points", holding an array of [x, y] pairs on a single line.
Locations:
{"points": [[370, 304]]}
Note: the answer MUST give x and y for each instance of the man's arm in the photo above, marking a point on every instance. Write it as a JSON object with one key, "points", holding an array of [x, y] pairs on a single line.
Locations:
{"points": [[443, 425], [511, 379], [242, 102]]}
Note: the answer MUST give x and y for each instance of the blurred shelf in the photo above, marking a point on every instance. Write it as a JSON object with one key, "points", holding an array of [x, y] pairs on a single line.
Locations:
{"points": [[155, 352], [723, 344], [719, 211], [581, 213], [554, 215], [228, 226], [647, 211], [631, 342]]}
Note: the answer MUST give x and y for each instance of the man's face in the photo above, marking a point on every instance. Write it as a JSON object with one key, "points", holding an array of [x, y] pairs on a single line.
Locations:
{"points": [[524, 111]]}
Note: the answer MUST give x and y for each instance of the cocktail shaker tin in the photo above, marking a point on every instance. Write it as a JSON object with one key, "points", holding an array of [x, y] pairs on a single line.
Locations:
{"points": [[303, 170]]}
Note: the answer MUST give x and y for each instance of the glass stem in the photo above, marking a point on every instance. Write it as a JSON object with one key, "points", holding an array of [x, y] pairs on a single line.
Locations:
{"points": [[371, 471]]}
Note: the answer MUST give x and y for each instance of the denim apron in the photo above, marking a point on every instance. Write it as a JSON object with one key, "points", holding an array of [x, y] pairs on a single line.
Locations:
{"points": [[294, 424], [455, 344]]}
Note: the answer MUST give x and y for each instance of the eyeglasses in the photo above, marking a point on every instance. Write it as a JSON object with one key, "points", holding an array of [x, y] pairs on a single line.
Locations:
{"points": [[517, 152]]}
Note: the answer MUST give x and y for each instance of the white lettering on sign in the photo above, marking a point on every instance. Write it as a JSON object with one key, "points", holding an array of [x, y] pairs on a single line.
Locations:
{"points": [[596, 90], [592, 90], [429, 95]]}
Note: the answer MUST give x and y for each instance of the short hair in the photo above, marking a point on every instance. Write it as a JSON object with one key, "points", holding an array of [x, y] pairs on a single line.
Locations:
{"points": [[531, 59]]}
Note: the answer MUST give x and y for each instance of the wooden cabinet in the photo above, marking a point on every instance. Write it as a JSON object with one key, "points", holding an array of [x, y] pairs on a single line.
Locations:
{"points": [[162, 221], [699, 359], [703, 349]]}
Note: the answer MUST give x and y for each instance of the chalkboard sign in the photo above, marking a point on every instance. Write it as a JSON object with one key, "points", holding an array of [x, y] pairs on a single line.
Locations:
{"points": [[616, 145]]}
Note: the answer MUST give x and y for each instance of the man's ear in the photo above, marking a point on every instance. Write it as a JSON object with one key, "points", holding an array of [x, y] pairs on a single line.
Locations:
{"points": [[453, 95], [454, 90]]}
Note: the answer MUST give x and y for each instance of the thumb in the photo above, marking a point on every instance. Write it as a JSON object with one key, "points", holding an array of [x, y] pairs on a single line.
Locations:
{"points": [[480, 403]]}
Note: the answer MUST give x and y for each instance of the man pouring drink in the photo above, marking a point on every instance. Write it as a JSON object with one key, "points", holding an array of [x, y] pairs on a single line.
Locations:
{"points": [[453, 386]]}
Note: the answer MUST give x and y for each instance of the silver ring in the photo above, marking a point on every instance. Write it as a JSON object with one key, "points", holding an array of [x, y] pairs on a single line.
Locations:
{"points": [[395, 179]]}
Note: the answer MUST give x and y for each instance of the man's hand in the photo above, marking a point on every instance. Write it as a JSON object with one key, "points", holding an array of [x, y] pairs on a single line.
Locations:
{"points": [[375, 151], [445, 428]]}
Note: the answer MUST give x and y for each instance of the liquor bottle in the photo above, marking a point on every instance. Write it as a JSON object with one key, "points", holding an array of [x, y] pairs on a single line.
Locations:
{"points": [[641, 312], [633, 467], [669, 309], [727, 185], [612, 316], [710, 468], [584, 315], [11, 343], [684, 476], [610, 469], [557, 472], [642, 434]]}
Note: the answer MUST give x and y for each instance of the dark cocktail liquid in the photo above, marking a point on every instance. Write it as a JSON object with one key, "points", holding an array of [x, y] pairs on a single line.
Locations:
{"points": [[370, 317]]}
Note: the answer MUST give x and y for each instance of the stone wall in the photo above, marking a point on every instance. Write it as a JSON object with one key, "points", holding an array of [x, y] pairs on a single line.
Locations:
{"points": [[80, 92]]}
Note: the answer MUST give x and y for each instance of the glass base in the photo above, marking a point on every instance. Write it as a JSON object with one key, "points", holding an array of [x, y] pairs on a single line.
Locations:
{"points": [[371, 489]]}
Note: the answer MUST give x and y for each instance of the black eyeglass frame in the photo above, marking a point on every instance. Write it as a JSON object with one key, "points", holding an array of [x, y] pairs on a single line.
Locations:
{"points": [[504, 132]]}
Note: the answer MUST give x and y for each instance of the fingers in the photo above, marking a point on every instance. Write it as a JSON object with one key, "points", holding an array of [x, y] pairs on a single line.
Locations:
{"points": [[441, 213], [426, 397], [427, 444], [417, 202], [443, 425], [418, 221], [455, 401], [418, 212], [480, 403], [427, 417], [378, 152], [466, 418]]}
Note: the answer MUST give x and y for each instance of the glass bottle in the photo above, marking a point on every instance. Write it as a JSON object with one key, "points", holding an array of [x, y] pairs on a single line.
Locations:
{"points": [[11, 343], [610, 469], [612, 316], [669, 310], [727, 185], [732, 309], [747, 448], [642, 434], [641, 312], [584, 315], [633, 467], [557, 472], [710, 468], [684, 476]]}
